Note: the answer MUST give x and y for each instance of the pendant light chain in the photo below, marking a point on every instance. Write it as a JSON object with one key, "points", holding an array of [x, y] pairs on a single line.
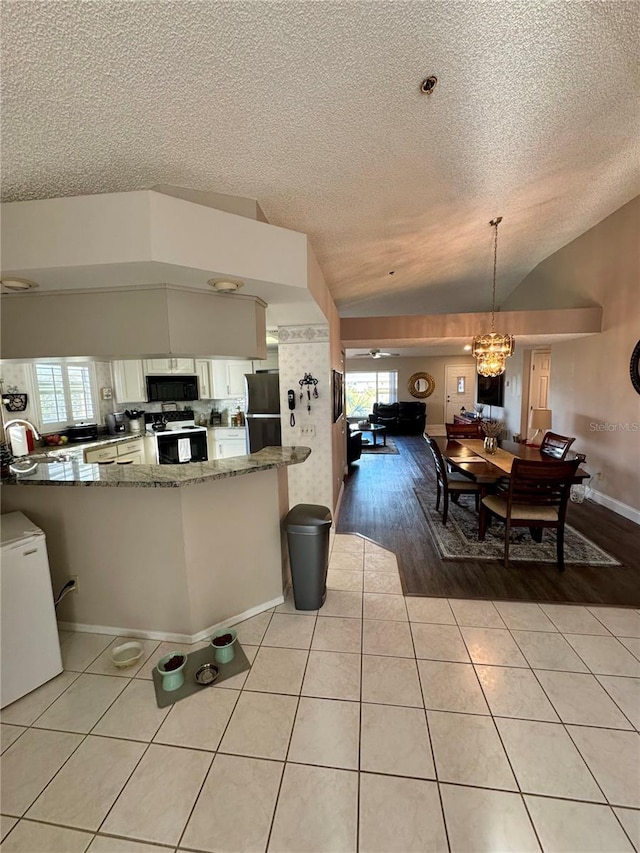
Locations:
{"points": [[492, 350], [495, 222]]}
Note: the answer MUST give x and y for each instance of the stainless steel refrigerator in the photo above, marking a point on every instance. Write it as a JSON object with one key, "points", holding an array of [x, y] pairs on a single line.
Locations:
{"points": [[262, 410]]}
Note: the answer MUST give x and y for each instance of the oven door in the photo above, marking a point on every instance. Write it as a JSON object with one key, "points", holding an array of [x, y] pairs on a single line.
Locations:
{"points": [[175, 447]]}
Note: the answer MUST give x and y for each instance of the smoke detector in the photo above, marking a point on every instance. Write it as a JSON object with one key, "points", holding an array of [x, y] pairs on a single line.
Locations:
{"points": [[17, 285], [225, 285]]}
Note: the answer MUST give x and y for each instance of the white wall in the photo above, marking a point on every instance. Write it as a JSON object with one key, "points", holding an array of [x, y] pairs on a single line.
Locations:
{"points": [[591, 393]]}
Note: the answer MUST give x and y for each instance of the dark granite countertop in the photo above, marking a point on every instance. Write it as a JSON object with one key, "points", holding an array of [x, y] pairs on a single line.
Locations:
{"points": [[156, 476]]}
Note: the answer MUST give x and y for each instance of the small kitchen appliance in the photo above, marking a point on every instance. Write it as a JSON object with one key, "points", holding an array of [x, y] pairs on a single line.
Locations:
{"points": [[82, 432], [178, 440], [165, 388], [116, 423]]}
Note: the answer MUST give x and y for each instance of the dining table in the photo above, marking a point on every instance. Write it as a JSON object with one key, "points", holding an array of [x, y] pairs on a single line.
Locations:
{"points": [[468, 457]]}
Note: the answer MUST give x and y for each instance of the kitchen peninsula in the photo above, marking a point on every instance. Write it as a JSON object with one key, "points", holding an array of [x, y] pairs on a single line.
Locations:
{"points": [[167, 552]]}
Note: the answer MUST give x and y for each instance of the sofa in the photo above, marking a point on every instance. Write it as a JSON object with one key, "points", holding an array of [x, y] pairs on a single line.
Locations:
{"points": [[403, 418], [354, 446]]}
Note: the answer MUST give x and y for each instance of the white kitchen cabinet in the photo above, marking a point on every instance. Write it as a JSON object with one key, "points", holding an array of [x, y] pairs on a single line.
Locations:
{"points": [[128, 381], [235, 374], [230, 442], [164, 366], [219, 380], [133, 450], [137, 458], [223, 442], [203, 372], [228, 378], [118, 451], [105, 453]]}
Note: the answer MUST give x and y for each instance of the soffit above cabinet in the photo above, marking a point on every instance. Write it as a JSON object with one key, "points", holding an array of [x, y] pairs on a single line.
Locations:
{"points": [[126, 240]]}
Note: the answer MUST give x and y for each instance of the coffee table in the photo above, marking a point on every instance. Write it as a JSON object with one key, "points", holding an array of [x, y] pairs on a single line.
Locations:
{"points": [[375, 430]]}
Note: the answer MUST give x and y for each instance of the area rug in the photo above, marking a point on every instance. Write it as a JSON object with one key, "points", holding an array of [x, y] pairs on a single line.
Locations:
{"points": [[458, 539], [380, 449]]}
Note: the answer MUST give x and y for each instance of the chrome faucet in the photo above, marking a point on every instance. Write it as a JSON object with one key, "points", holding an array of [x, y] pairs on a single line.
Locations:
{"points": [[35, 432]]}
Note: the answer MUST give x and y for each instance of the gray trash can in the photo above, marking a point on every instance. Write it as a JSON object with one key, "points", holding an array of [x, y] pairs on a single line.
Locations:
{"points": [[307, 527]]}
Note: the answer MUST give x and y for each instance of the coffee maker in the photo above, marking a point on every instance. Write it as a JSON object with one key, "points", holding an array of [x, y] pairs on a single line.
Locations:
{"points": [[116, 423]]}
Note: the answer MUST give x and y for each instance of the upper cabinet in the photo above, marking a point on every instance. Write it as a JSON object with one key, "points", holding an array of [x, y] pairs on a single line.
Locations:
{"points": [[227, 378], [235, 376], [169, 365], [203, 372], [216, 379], [128, 381]]}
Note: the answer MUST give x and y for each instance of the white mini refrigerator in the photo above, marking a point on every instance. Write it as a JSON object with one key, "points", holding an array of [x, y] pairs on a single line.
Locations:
{"points": [[30, 650]]}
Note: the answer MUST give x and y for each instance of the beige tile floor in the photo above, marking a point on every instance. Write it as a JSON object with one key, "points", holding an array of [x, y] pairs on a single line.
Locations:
{"points": [[379, 724]]}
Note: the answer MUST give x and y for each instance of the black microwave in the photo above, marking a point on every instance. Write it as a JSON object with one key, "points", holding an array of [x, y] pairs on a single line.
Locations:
{"points": [[162, 389]]}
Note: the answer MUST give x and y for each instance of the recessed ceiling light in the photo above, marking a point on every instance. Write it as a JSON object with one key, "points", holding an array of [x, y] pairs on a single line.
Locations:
{"points": [[467, 347], [17, 285], [225, 285]]}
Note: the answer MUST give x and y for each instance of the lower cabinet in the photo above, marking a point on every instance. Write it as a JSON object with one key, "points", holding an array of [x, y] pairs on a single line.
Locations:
{"points": [[119, 453], [223, 442]]}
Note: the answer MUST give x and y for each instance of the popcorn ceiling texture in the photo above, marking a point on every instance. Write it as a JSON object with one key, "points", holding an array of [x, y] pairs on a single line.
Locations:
{"points": [[314, 110]]}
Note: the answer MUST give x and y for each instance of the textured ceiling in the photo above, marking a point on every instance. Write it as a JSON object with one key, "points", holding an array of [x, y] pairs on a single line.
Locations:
{"points": [[314, 110]]}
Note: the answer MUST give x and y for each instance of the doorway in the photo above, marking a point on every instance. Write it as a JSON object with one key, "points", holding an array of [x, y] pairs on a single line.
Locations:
{"points": [[460, 389], [539, 380]]}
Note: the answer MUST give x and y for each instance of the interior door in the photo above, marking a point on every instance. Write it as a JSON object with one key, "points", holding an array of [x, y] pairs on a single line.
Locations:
{"points": [[460, 389], [539, 379]]}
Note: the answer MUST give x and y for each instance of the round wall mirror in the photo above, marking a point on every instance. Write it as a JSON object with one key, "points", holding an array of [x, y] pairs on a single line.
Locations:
{"points": [[421, 385]]}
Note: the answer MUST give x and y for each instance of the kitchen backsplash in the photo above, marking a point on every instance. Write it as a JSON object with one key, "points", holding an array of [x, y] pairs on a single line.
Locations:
{"points": [[201, 408]]}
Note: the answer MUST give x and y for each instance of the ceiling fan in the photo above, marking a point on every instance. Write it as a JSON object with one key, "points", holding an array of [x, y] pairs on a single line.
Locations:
{"points": [[376, 353]]}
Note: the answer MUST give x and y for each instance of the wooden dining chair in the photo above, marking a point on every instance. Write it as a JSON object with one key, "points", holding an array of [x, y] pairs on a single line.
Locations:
{"points": [[555, 445], [464, 431], [536, 498], [447, 482]]}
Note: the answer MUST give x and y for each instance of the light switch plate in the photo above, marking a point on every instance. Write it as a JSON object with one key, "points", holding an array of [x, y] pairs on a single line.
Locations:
{"points": [[308, 430]]}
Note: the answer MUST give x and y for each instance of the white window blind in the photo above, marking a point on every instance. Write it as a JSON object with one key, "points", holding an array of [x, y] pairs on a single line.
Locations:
{"points": [[53, 406], [65, 394], [80, 392]]}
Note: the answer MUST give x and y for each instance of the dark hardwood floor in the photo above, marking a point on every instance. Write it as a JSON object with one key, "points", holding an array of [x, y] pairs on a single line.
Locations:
{"points": [[379, 502]]}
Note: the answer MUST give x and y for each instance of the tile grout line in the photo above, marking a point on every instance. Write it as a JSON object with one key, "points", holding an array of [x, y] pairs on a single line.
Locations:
{"points": [[293, 725], [359, 770]]}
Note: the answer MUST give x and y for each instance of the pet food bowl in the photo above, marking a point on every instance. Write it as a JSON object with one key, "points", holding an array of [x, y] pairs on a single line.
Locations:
{"points": [[224, 652], [126, 654], [173, 677]]}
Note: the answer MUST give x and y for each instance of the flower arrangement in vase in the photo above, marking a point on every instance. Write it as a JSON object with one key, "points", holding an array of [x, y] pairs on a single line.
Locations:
{"points": [[491, 429]]}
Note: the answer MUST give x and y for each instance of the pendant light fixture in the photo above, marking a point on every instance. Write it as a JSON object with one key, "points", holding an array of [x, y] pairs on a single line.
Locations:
{"points": [[492, 350]]}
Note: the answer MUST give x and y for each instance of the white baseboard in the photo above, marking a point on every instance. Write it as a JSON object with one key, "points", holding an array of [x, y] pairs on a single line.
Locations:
{"points": [[622, 509], [338, 503], [167, 636]]}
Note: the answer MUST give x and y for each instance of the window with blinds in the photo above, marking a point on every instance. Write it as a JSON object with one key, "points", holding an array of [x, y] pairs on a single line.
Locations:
{"points": [[65, 394]]}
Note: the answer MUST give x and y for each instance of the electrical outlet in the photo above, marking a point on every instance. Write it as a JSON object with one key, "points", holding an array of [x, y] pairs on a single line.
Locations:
{"points": [[308, 430], [74, 578]]}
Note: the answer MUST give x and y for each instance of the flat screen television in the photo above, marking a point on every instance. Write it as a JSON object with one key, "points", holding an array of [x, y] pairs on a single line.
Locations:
{"points": [[491, 390]]}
